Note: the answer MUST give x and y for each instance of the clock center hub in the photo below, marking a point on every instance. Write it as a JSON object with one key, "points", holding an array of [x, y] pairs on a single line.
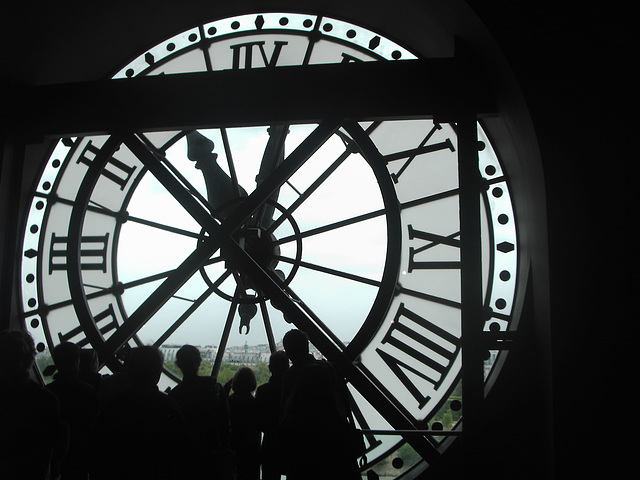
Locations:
{"points": [[261, 246]]}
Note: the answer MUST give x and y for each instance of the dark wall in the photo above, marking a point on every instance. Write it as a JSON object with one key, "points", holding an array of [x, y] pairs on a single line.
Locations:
{"points": [[573, 62]]}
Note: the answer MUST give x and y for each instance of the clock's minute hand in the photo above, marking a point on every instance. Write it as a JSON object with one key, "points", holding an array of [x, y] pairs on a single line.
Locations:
{"points": [[272, 157]]}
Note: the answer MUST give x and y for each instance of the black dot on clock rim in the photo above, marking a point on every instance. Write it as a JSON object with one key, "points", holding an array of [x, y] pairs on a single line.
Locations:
{"points": [[39, 205], [171, 47], [46, 185], [456, 405], [351, 33], [193, 37], [503, 219], [33, 228], [32, 302], [490, 170], [497, 192], [327, 27], [494, 327], [284, 21], [307, 23], [501, 303], [40, 347], [129, 73], [235, 25], [55, 163], [481, 145], [396, 54], [505, 275], [30, 278], [35, 323], [212, 30], [397, 463]]}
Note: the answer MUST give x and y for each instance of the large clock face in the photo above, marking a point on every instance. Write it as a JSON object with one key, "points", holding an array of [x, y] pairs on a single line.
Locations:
{"points": [[182, 236]]}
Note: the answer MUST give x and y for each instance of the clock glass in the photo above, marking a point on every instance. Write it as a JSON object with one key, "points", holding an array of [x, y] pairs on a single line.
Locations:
{"points": [[154, 237]]}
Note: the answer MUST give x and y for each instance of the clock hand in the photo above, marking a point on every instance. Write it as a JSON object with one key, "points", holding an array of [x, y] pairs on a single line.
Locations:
{"points": [[221, 188], [272, 157]]}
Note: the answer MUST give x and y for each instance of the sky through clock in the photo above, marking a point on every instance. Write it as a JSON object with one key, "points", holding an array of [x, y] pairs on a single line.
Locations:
{"points": [[361, 228]]}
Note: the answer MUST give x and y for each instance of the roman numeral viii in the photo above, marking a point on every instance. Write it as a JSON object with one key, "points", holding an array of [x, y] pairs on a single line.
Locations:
{"points": [[105, 321], [115, 170], [419, 347]]}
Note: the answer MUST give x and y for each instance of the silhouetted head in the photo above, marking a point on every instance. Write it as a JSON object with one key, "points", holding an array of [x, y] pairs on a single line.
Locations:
{"points": [[17, 353], [244, 381], [278, 362], [296, 344], [66, 356], [199, 147], [145, 366], [188, 360]]}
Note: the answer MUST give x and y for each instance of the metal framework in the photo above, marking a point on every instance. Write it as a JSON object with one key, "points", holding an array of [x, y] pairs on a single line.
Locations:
{"points": [[445, 89]]}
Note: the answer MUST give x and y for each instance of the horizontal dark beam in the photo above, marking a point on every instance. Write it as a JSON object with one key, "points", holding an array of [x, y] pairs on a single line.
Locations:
{"points": [[365, 90]]}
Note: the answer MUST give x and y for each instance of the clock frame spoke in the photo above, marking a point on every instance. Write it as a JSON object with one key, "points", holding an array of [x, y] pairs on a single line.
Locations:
{"points": [[233, 307], [332, 226], [124, 216], [229, 154], [331, 271], [267, 325], [312, 188], [197, 303], [174, 281]]}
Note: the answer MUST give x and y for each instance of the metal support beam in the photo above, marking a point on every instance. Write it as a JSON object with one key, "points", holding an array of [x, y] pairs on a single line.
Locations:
{"points": [[268, 96], [471, 293]]}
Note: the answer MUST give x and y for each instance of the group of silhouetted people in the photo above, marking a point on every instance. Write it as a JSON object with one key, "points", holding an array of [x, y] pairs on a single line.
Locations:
{"points": [[84, 425]]}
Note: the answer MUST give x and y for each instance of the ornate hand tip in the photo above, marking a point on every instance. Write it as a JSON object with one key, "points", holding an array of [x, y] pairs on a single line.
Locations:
{"points": [[198, 146]]}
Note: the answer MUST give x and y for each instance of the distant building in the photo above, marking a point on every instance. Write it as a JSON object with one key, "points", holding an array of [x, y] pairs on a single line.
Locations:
{"points": [[208, 352]]}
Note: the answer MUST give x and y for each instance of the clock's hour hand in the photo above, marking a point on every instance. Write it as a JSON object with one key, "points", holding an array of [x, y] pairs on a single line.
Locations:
{"points": [[221, 189]]}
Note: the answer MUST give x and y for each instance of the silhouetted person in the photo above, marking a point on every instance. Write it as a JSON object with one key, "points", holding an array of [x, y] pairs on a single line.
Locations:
{"points": [[89, 364], [142, 428], [315, 436], [245, 432], [118, 382], [296, 345], [31, 432], [78, 407], [205, 406], [269, 402]]}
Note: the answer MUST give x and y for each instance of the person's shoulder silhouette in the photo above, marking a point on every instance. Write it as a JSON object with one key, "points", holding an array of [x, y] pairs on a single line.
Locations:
{"points": [[245, 431], [28, 411], [269, 407], [139, 423], [78, 407]]}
